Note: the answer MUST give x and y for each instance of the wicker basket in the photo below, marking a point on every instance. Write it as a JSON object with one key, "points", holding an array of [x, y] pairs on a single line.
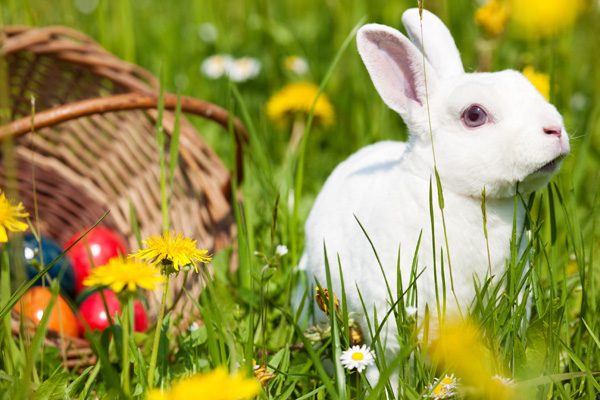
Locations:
{"points": [[95, 144]]}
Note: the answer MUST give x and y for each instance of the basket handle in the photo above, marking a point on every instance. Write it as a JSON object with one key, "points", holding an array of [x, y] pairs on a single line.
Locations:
{"points": [[131, 101]]}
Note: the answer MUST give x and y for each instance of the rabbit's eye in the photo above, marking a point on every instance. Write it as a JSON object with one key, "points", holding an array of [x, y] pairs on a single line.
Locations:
{"points": [[474, 116]]}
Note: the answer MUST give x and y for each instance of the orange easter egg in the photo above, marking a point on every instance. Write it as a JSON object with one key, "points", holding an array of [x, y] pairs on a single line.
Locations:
{"points": [[33, 304]]}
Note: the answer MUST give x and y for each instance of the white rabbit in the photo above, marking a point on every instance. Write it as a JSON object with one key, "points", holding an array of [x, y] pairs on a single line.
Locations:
{"points": [[490, 130]]}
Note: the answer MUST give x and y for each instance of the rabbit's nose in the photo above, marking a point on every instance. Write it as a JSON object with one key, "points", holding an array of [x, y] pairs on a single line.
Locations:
{"points": [[553, 130]]}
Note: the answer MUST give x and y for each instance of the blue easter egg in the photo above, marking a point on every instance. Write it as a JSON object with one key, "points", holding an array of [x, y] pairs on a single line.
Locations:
{"points": [[30, 250]]}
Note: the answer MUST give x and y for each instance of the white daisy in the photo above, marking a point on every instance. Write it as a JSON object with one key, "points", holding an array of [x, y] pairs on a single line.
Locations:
{"points": [[503, 380], [281, 250], [216, 66], [357, 357], [443, 388], [243, 69], [296, 64]]}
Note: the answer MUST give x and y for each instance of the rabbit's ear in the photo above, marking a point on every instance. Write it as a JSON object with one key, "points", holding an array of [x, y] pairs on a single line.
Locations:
{"points": [[440, 48], [396, 68]]}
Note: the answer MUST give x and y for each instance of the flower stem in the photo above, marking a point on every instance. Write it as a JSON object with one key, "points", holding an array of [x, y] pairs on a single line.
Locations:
{"points": [[125, 306], [298, 129], [161, 316]]}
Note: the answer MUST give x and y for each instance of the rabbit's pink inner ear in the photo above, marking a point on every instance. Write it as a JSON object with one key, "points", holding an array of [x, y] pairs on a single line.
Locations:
{"points": [[395, 66]]}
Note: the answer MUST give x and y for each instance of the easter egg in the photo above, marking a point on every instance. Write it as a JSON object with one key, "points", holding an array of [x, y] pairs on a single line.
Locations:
{"points": [[95, 249], [34, 303], [93, 311], [28, 249], [140, 317]]}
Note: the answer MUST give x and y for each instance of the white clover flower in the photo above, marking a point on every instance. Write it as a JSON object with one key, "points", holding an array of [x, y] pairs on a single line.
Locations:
{"points": [[193, 326], [216, 66], [357, 357], [243, 69], [296, 64], [503, 380], [281, 250], [443, 388], [411, 311]]}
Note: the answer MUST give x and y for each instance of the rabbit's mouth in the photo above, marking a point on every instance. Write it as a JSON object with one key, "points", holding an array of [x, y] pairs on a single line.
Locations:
{"points": [[552, 165]]}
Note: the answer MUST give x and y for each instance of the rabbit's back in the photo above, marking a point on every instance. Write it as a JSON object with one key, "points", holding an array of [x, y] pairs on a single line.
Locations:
{"points": [[372, 187]]}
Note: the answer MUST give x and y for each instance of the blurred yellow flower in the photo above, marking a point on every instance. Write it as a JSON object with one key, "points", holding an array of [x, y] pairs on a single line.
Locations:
{"points": [[121, 274], [492, 16], [460, 349], [172, 250], [297, 99], [9, 215], [543, 18], [572, 268], [540, 80], [215, 385]]}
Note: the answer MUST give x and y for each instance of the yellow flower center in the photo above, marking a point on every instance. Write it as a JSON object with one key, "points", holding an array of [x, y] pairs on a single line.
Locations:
{"points": [[447, 381], [439, 390], [357, 356]]}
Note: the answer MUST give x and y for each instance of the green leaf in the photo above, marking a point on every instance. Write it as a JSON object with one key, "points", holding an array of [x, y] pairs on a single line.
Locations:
{"points": [[75, 387], [54, 387], [535, 353]]}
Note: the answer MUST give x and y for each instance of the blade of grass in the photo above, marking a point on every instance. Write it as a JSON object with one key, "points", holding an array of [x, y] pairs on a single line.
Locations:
{"points": [[331, 392], [340, 376], [8, 345]]}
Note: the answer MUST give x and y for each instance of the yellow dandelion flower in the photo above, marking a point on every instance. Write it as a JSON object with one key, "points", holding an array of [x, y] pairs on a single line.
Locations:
{"points": [[124, 274], [297, 99], [215, 385], [543, 18], [9, 215], [171, 249], [492, 16], [540, 80]]}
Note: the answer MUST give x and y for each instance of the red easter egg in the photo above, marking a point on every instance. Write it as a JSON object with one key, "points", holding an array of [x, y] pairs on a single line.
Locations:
{"points": [[140, 317], [101, 244], [93, 311], [33, 304]]}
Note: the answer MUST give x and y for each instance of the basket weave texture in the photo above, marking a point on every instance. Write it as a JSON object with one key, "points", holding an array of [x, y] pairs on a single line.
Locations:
{"points": [[95, 146]]}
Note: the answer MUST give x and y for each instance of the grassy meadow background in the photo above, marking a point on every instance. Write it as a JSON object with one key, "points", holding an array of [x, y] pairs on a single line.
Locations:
{"points": [[251, 308]]}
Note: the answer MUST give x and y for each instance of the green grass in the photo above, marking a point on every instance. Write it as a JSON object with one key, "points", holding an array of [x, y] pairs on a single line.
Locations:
{"points": [[554, 354]]}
